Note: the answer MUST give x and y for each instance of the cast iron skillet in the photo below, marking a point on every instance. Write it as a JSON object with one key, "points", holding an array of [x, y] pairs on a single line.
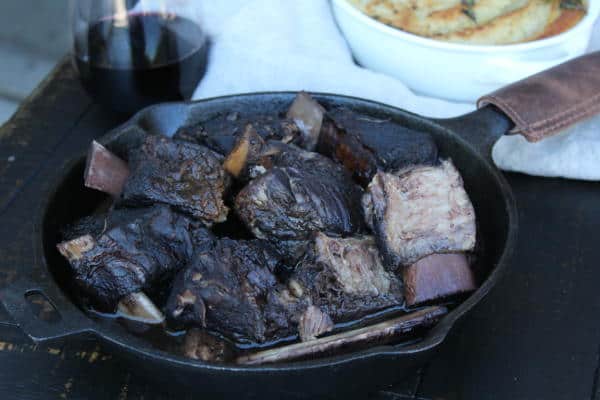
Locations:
{"points": [[467, 140]]}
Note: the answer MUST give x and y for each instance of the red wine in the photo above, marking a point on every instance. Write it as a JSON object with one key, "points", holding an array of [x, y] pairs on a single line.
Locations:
{"points": [[146, 60]]}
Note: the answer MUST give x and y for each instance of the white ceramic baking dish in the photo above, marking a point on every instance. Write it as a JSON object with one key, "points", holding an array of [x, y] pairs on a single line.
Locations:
{"points": [[450, 70]]}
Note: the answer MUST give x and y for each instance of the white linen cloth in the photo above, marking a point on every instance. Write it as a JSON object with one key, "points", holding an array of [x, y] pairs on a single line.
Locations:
{"points": [[272, 45]]}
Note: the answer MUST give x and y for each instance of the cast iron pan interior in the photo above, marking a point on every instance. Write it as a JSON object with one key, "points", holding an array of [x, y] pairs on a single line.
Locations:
{"points": [[377, 124]]}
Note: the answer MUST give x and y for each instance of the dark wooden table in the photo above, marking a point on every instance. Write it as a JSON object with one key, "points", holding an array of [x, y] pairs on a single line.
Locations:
{"points": [[536, 336]]}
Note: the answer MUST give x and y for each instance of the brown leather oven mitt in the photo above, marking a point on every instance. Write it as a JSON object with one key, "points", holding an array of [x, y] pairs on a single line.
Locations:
{"points": [[545, 104]]}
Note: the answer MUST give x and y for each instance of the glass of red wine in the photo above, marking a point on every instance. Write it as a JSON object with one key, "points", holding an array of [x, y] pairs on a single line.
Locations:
{"points": [[133, 53]]}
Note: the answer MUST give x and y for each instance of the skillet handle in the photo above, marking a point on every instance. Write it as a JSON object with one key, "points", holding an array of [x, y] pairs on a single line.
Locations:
{"points": [[42, 312], [536, 107], [544, 104], [481, 129], [28, 291]]}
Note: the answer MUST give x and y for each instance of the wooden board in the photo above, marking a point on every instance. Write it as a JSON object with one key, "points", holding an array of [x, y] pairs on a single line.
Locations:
{"points": [[536, 336]]}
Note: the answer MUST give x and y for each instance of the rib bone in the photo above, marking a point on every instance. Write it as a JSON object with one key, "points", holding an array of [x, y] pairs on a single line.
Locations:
{"points": [[437, 276], [382, 332], [105, 171], [138, 307]]}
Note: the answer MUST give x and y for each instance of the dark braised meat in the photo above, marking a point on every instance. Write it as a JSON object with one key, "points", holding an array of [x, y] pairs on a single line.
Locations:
{"points": [[186, 176], [221, 134], [198, 135], [339, 220], [421, 211], [269, 128], [319, 132], [230, 287], [348, 149], [403, 149], [392, 150], [248, 159], [200, 345], [396, 146], [133, 138], [128, 251], [410, 148], [91, 225], [304, 193], [345, 278], [252, 156], [191, 133]]}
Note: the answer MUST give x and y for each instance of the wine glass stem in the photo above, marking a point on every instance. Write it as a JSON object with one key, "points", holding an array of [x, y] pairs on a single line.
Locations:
{"points": [[121, 19]]}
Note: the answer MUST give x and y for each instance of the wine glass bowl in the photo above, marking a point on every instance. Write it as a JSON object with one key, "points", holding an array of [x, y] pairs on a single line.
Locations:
{"points": [[131, 54]]}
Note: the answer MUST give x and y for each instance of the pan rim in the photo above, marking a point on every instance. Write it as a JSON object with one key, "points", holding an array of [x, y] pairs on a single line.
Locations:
{"points": [[432, 339]]}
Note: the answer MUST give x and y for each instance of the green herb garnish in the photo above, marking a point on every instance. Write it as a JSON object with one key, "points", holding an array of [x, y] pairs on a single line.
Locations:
{"points": [[468, 9], [572, 5]]}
